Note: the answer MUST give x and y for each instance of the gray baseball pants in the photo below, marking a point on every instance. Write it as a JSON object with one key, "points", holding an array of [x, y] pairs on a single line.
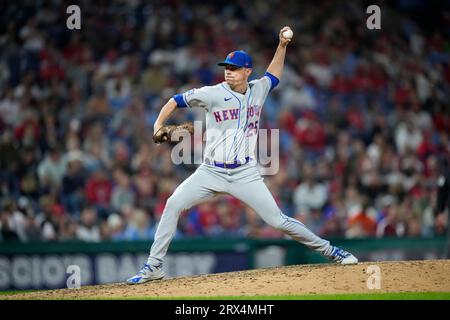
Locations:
{"points": [[246, 184]]}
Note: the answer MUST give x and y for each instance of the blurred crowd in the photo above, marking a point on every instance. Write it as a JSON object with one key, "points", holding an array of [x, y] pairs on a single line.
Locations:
{"points": [[363, 116]]}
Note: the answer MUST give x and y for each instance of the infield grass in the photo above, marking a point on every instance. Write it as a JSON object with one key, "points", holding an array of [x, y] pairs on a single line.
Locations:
{"points": [[16, 292], [360, 296]]}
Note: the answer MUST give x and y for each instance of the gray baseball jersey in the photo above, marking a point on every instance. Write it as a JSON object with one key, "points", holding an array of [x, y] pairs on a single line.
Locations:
{"points": [[231, 133], [232, 118]]}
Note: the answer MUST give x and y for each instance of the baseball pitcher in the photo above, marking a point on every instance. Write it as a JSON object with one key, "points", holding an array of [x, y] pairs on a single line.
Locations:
{"points": [[232, 110]]}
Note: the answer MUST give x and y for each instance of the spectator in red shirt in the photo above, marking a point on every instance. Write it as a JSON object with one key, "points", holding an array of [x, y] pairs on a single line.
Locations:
{"points": [[310, 134], [28, 132], [98, 191], [51, 64], [355, 120], [361, 224]]}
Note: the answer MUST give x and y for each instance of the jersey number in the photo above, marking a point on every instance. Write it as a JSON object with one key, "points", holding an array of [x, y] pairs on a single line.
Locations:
{"points": [[252, 128]]}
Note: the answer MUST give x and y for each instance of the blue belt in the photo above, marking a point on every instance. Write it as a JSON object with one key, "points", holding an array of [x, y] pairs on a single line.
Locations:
{"points": [[232, 165]]}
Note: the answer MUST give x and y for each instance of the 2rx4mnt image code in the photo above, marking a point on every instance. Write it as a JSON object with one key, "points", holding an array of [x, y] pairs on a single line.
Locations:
{"points": [[226, 309]]}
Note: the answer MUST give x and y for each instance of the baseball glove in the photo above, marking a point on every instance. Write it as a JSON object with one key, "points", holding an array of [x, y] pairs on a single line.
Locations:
{"points": [[165, 133]]}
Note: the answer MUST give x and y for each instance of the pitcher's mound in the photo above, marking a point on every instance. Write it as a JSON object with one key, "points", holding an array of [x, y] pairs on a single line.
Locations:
{"points": [[398, 276]]}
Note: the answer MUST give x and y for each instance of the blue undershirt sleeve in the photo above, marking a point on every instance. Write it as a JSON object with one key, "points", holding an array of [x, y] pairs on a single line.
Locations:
{"points": [[181, 103], [274, 81]]}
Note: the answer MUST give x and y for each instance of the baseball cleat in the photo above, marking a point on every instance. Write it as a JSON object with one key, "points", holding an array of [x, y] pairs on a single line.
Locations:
{"points": [[341, 256], [147, 273]]}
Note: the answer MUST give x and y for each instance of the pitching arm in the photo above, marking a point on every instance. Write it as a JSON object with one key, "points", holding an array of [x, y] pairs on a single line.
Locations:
{"points": [[277, 64]]}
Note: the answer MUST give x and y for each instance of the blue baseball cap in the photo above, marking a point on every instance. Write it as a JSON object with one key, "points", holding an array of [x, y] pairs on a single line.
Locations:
{"points": [[237, 58]]}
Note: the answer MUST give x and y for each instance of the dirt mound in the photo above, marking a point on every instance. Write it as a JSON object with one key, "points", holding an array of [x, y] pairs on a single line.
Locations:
{"points": [[399, 276]]}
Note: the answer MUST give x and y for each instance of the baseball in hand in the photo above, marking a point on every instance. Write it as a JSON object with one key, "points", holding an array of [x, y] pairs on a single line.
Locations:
{"points": [[287, 34]]}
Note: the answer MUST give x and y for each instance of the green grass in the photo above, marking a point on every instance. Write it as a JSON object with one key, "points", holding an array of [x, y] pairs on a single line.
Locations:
{"points": [[360, 296], [16, 292]]}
